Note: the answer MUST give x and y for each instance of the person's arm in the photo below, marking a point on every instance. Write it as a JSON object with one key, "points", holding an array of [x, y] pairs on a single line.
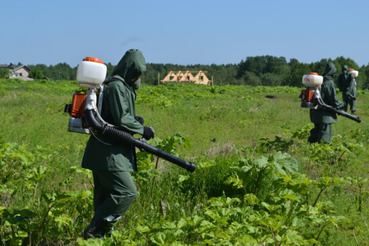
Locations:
{"points": [[120, 107], [329, 95]]}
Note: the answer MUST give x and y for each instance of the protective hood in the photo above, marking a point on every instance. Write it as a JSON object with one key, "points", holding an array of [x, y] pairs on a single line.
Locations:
{"points": [[131, 66], [330, 69], [345, 67]]}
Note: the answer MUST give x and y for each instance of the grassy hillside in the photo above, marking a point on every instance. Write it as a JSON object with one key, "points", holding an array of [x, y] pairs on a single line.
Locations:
{"points": [[257, 179]]}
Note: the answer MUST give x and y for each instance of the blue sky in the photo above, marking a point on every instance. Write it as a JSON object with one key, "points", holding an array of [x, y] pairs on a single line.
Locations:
{"points": [[182, 32]]}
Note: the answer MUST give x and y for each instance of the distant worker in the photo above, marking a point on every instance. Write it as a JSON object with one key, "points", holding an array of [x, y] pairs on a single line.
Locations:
{"points": [[342, 79], [114, 189], [322, 119], [347, 85]]}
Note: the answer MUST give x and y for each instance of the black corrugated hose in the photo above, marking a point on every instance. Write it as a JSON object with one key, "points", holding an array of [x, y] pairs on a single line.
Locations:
{"points": [[95, 121]]}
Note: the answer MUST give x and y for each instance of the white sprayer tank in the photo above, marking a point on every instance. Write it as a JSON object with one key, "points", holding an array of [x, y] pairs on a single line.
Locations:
{"points": [[91, 72], [312, 80], [354, 72]]}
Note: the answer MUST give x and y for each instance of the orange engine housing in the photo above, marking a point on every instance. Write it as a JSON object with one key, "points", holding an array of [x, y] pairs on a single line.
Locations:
{"points": [[307, 98], [78, 104], [307, 95]]}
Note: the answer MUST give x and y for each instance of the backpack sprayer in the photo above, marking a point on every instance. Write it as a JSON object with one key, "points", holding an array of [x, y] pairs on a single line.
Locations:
{"points": [[311, 98], [355, 74], [86, 109]]}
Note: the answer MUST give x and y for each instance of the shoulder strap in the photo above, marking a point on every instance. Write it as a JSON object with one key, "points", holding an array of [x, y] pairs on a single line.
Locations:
{"points": [[108, 81]]}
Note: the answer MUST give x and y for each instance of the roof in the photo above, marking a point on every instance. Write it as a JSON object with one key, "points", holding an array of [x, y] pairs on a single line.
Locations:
{"points": [[12, 67], [23, 66]]}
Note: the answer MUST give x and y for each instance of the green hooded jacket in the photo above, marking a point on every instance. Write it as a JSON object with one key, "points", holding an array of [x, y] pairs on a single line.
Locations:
{"points": [[346, 83], [328, 94], [350, 88], [118, 108], [342, 78]]}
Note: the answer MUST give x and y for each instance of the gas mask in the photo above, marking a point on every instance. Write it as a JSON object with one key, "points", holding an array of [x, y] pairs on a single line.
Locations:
{"points": [[136, 83]]}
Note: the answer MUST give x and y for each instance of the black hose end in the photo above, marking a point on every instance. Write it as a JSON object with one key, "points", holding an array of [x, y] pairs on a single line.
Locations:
{"points": [[191, 167]]}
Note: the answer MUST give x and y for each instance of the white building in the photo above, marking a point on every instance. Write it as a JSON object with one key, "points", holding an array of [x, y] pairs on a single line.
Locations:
{"points": [[18, 72]]}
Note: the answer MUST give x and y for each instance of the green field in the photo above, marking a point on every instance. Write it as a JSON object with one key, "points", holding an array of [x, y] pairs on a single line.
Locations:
{"points": [[257, 182]]}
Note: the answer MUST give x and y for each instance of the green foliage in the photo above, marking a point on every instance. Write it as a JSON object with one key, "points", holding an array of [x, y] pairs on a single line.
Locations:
{"points": [[364, 81], [49, 209], [36, 74], [60, 71], [4, 72]]}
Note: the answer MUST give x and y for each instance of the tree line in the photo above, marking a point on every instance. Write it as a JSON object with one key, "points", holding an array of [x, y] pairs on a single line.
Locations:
{"points": [[257, 70]]}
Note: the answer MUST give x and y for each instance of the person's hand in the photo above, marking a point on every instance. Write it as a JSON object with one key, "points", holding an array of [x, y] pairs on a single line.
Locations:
{"points": [[148, 132], [139, 119], [352, 97]]}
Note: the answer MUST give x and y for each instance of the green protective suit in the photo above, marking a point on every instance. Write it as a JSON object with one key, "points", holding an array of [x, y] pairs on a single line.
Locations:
{"points": [[343, 78], [114, 189], [118, 108], [347, 85], [349, 95], [322, 119]]}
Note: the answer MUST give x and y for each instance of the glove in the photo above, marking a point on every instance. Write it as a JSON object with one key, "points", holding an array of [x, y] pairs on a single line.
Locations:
{"points": [[351, 97], [148, 132], [139, 119]]}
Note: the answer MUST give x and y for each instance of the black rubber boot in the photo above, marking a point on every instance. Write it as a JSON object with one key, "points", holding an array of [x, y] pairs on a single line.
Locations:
{"points": [[92, 231], [106, 230]]}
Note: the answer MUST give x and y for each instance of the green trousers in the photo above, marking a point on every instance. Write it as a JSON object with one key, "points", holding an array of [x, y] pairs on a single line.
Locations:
{"points": [[352, 104], [321, 132], [114, 192], [349, 102]]}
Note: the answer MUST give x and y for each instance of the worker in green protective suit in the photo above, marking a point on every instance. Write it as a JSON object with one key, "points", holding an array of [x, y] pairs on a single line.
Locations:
{"points": [[322, 119], [350, 94], [347, 85], [343, 79], [111, 163]]}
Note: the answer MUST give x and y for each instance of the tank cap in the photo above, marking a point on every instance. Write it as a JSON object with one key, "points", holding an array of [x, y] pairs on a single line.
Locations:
{"points": [[93, 59], [313, 73]]}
